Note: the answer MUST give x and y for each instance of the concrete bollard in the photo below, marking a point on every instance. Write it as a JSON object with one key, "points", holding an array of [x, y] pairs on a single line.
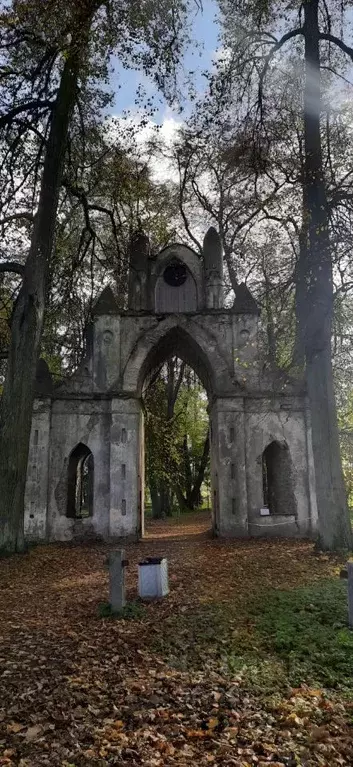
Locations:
{"points": [[117, 564]]}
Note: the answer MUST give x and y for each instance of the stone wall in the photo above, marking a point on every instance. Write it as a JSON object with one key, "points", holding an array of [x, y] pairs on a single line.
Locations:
{"points": [[228, 470], [75, 421], [241, 429], [36, 497], [126, 469], [282, 420]]}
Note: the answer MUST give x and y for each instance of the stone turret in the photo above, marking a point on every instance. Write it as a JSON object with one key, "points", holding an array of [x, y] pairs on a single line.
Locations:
{"points": [[105, 304], [44, 381], [138, 271], [244, 302], [245, 327], [213, 265]]}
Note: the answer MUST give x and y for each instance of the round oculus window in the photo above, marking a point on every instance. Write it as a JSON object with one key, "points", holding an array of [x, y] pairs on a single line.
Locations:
{"points": [[175, 274]]}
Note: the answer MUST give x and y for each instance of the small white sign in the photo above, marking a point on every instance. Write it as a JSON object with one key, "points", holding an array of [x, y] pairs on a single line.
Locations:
{"points": [[265, 512]]}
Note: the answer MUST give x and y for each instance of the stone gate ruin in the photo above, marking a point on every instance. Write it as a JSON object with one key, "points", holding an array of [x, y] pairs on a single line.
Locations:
{"points": [[86, 462]]}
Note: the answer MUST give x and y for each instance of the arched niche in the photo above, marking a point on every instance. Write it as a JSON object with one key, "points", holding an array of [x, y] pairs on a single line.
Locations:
{"points": [[189, 296], [277, 479], [175, 289], [80, 483]]}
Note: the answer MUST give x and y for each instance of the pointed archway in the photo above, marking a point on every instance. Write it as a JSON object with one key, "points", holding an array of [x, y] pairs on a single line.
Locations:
{"points": [[187, 339], [192, 345]]}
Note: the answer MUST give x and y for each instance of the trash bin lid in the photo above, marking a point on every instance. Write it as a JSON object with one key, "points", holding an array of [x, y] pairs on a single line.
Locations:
{"points": [[151, 561]]}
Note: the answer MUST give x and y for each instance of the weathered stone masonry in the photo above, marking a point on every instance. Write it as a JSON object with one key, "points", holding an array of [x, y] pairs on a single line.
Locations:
{"points": [[86, 463]]}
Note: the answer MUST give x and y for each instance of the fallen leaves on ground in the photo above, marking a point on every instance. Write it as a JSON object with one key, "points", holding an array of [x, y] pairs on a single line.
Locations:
{"points": [[79, 691]]}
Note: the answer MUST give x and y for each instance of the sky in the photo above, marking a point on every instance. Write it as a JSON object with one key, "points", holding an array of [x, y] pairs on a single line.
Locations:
{"points": [[205, 30]]}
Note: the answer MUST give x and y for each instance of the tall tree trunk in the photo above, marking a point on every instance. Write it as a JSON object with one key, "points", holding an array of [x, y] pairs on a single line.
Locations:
{"points": [[193, 489], [164, 500], [200, 476], [334, 525], [298, 361], [156, 502], [270, 325], [27, 322], [182, 503], [187, 473]]}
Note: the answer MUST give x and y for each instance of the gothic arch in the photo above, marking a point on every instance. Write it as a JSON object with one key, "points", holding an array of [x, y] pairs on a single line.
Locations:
{"points": [[189, 341]]}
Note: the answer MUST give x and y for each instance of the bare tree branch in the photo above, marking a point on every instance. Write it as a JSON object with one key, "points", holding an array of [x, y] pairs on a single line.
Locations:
{"points": [[12, 266], [336, 41], [277, 46], [25, 215], [36, 104]]}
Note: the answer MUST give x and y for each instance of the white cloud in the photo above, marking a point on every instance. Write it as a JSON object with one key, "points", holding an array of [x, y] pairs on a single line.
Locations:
{"points": [[140, 132]]}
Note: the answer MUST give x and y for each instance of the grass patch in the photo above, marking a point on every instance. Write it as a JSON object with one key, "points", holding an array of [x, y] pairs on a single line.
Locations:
{"points": [[307, 628], [131, 611], [277, 639]]}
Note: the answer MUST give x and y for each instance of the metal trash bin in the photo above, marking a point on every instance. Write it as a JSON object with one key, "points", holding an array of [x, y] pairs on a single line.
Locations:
{"points": [[153, 578]]}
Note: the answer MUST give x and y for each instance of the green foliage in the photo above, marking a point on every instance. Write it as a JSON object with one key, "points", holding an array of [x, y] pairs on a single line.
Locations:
{"points": [[107, 187], [345, 424], [286, 638], [5, 314], [191, 410], [162, 436], [131, 611], [176, 427], [5, 309], [307, 628]]}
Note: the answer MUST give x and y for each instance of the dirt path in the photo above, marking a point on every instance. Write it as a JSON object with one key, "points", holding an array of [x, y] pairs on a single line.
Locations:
{"points": [[190, 525], [78, 690]]}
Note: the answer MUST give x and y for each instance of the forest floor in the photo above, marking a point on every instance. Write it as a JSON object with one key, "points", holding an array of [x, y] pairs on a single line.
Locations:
{"points": [[247, 662]]}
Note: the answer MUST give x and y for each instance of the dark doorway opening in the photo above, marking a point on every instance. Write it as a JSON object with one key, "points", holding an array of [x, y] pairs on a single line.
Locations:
{"points": [[277, 480], [80, 483]]}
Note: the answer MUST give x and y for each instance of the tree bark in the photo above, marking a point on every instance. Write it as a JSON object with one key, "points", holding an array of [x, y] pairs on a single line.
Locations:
{"points": [[200, 476], [270, 325], [298, 362], [156, 502], [334, 524], [187, 474], [191, 499], [27, 321]]}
